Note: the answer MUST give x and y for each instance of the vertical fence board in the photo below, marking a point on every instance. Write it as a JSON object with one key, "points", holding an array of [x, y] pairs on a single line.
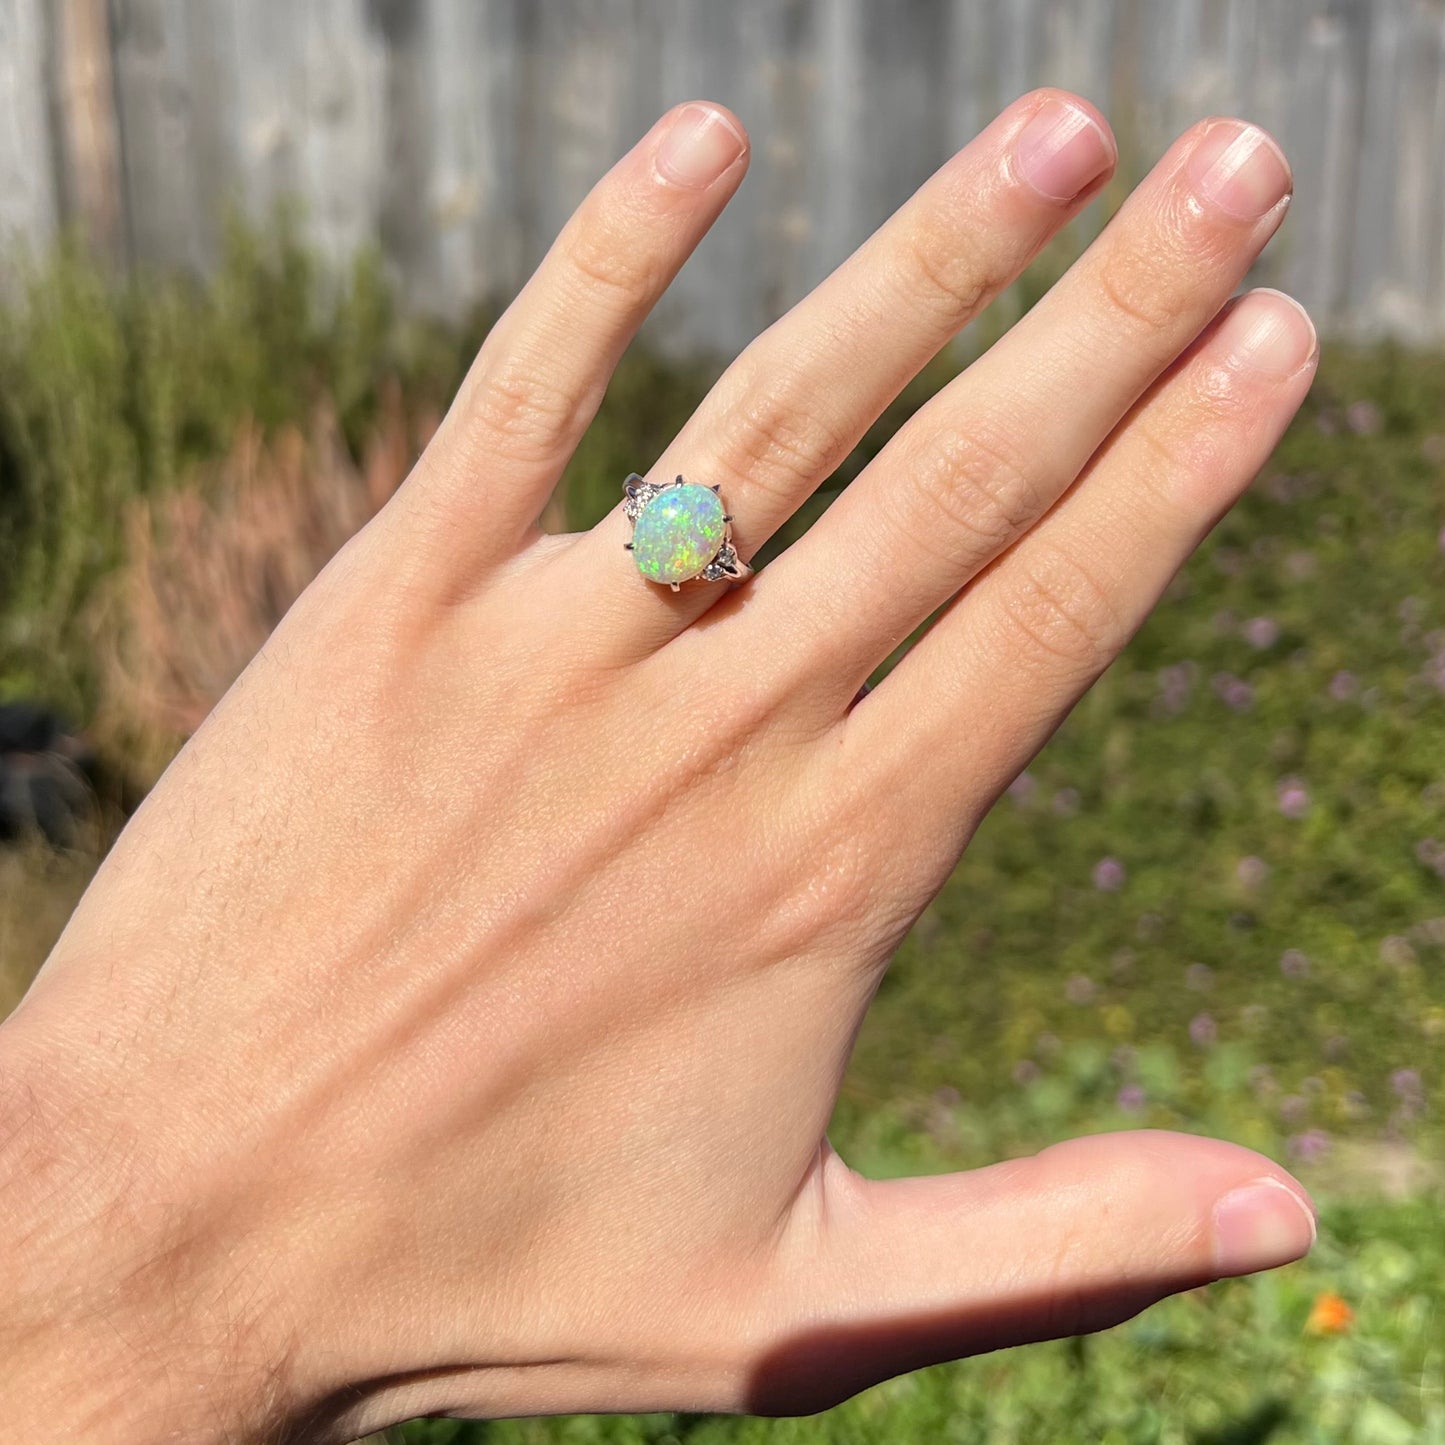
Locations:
{"points": [[458, 134], [28, 199], [341, 77], [154, 105], [89, 145]]}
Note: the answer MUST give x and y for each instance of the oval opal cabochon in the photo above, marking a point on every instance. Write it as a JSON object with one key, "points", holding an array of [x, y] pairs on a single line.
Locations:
{"points": [[678, 533]]}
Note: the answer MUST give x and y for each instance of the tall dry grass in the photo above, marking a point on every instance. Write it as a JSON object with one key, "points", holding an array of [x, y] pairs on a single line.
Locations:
{"points": [[209, 569], [212, 566], [39, 889]]}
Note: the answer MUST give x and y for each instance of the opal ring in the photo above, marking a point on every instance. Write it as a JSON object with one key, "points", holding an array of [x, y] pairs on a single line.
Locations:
{"points": [[681, 533]]}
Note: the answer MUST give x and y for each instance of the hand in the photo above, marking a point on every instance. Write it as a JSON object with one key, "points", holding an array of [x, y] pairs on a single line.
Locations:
{"points": [[455, 1028]]}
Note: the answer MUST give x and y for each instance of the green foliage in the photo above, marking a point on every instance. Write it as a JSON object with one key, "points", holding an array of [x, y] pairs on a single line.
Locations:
{"points": [[110, 392]]}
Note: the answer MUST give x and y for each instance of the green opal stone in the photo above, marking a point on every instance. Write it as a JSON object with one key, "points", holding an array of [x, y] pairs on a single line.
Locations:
{"points": [[678, 533]]}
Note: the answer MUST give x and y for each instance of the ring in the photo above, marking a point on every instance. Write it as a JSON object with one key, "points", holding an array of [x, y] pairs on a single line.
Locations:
{"points": [[680, 533]]}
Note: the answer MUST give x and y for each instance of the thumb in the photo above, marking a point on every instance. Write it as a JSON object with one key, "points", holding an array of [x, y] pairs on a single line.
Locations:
{"points": [[911, 1272]]}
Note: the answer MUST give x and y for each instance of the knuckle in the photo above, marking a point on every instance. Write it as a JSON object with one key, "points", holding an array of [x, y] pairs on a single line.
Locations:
{"points": [[1164, 269], [523, 417], [1061, 612], [779, 442], [1139, 291], [946, 277], [977, 486], [611, 258]]}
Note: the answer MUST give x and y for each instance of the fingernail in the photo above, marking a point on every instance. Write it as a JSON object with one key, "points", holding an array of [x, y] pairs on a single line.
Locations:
{"points": [[1270, 332], [699, 146], [1062, 150], [1260, 1226], [1240, 169]]}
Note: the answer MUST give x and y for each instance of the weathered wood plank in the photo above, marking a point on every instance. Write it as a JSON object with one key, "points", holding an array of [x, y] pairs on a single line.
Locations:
{"points": [[458, 134], [29, 211], [154, 106], [89, 143]]}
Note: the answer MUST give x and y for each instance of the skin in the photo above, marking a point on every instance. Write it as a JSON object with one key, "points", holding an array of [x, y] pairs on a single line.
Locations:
{"points": [[455, 1028]]}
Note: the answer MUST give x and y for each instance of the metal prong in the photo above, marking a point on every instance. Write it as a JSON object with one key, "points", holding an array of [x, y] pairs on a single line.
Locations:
{"points": [[726, 517], [676, 586], [716, 486], [627, 546]]}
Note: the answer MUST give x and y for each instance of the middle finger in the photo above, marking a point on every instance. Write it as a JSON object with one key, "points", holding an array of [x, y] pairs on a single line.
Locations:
{"points": [[788, 411]]}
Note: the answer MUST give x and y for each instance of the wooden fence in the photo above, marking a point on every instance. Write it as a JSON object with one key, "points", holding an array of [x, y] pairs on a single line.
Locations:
{"points": [[455, 135]]}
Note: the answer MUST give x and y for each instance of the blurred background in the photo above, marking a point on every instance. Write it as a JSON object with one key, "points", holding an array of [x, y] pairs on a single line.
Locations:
{"points": [[247, 248]]}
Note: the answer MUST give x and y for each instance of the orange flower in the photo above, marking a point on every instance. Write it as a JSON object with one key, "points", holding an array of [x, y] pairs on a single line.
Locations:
{"points": [[1329, 1316]]}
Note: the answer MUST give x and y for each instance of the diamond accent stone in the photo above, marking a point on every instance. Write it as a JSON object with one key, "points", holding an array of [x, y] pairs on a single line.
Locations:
{"points": [[639, 494], [723, 565]]}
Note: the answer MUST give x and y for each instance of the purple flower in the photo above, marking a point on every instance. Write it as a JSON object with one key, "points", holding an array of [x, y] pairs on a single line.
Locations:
{"points": [[1080, 989], [1066, 802], [1364, 418], [1293, 1108], [1110, 875], [1176, 684], [1022, 788], [1234, 692], [1261, 1079], [1131, 1099], [1261, 632], [1301, 565], [1199, 977], [1406, 1084], [1252, 872], [1293, 797], [1343, 686], [1203, 1031], [1025, 1071], [1294, 964], [1336, 1047], [1311, 1145]]}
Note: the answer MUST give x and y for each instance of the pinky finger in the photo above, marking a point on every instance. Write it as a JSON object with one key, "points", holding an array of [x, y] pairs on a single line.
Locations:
{"points": [[983, 691]]}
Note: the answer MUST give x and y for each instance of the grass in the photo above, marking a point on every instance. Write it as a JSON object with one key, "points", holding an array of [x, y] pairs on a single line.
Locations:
{"points": [[1216, 901]]}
